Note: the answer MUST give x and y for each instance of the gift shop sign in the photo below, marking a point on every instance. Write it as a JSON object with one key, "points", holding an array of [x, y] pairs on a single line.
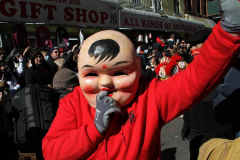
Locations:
{"points": [[70, 12], [136, 21]]}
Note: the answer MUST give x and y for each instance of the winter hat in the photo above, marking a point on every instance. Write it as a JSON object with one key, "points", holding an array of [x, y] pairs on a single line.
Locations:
{"points": [[52, 49], [65, 78], [33, 55]]}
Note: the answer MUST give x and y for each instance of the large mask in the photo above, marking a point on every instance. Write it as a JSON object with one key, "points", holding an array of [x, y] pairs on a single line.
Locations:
{"points": [[107, 61]]}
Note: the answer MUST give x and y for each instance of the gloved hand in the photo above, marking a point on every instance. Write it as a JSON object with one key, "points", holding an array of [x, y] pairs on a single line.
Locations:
{"points": [[13, 52], [105, 107], [230, 15]]}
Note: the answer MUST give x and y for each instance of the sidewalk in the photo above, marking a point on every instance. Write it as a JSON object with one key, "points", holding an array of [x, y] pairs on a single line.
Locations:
{"points": [[172, 145]]}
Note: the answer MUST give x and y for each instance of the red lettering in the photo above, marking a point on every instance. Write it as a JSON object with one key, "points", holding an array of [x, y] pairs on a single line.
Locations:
{"points": [[136, 22], [4, 11], [83, 15], [181, 27], [126, 22], [131, 20], [91, 14], [161, 25], [152, 24], [144, 23], [50, 9], [35, 10], [69, 16], [175, 27], [23, 6], [103, 16], [169, 25], [156, 24], [166, 25]]}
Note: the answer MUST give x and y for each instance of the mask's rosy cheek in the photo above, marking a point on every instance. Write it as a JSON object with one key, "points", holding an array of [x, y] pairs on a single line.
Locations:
{"points": [[88, 88], [125, 82]]}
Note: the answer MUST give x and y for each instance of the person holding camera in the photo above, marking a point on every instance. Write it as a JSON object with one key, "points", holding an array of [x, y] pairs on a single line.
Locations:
{"points": [[8, 78]]}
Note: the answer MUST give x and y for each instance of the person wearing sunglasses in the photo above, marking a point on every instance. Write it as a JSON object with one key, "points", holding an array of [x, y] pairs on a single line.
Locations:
{"points": [[53, 55]]}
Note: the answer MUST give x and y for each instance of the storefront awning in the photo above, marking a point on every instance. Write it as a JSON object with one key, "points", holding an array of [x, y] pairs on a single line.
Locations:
{"points": [[143, 20], [64, 12], [207, 22]]}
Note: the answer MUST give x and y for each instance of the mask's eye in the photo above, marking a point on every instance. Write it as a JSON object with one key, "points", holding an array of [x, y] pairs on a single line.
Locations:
{"points": [[91, 74], [120, 73]]}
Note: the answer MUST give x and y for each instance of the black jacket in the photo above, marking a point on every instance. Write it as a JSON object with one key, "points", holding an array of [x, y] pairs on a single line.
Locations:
{"points": [[62, 92], [227, 102], [53, 66], [39, 75]]}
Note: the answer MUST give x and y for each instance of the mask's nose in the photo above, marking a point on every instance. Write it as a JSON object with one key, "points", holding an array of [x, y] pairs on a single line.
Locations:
{"points": [[106, 81]]}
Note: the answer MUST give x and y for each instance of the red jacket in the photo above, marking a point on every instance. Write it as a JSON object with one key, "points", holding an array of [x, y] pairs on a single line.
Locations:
{"points": [[136, 133]]}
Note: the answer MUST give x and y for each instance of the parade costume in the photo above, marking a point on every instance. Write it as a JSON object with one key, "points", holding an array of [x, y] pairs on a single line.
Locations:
{"points": [[73, 134]]}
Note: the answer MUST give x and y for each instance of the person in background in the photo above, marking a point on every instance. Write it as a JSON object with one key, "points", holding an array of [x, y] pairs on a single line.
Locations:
{"points": [[227, 104], [171, 42], [45, 55], [63, 50], [143, 52], [61, 63], [64, 81], [8, 78], [3, 53], [73, 65], [8, 148], [40, 71], [54, 54], [150, 68], [66, 43]]}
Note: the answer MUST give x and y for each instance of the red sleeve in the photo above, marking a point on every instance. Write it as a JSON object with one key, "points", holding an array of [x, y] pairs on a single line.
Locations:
{"points": [[180, 93], [65, 139]]}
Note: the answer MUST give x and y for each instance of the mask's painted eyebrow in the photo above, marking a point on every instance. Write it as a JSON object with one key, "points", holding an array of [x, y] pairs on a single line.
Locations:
{"points": [[121, 62], [87, 66]]}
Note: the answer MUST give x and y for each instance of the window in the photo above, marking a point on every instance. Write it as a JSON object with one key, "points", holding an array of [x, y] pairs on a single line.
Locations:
{"points": [[176, 6], [158, 5], [198, 7], [189, 5], [204, 8]]}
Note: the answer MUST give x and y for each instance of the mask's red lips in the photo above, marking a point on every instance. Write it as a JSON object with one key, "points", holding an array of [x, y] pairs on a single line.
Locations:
{"points": [[105, 89], [110, 93]]}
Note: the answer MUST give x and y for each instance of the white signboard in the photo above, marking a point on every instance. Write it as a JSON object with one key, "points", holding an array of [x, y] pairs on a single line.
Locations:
{"points": [[144, 22], [69, 12]]}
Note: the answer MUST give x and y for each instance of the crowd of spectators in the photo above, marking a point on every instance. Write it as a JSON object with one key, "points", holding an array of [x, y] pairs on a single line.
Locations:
{"points": [[160, 52], [56, 68]]}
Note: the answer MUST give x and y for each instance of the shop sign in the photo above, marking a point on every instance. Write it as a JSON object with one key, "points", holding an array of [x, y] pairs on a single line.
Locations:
{"points": [[137, 21], [67, 12]]}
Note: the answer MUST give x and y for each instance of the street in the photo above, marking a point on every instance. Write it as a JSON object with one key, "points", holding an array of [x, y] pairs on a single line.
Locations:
{"points": [[172, 145]]}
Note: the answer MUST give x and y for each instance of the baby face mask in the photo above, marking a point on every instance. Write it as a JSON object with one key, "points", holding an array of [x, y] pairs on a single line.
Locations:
{"points": [[107, 61]]}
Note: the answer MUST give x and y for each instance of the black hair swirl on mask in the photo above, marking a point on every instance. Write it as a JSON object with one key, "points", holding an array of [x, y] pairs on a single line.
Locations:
{"points": [[105, 48]]}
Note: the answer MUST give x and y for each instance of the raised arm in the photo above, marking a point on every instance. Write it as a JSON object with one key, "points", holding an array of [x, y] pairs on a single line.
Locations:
{"points": [[184, 90]]}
